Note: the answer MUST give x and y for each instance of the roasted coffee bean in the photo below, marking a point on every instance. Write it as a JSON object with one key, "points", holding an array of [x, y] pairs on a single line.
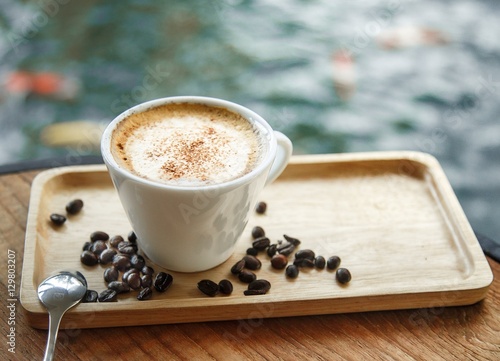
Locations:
{"points": [[343, 275], [111, 274], [333, 262], [292, 240], [254, 292], [163, 281], [88, 258], [146, 270], [279, 261], [128, 273], [304, 262], [99, 236], [145, 294], [115, 241], [252, 251], [320, 262], [127, 248], [261, 208], [57, 219], [134, 281], [238, 267], [107, 255], [107, 295], [258, 232], [146, 281], [119, 287], [305, 253], [247, 276], [263, 285], [292, 271], [271, 250], [132, 237], [90, 296], [225, 287], [285, 248], [98, 247], [208, 287], [137, 261], [261, 243], [121, 262], [252, 262], [87, 246], [74, 206]]}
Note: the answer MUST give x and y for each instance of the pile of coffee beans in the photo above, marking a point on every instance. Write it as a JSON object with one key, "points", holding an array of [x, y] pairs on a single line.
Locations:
{"points": [[127, 269], [73, 207]]}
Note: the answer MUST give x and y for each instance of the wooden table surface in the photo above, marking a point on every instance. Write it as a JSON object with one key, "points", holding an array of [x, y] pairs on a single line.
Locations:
{"points": [[434, 333]]}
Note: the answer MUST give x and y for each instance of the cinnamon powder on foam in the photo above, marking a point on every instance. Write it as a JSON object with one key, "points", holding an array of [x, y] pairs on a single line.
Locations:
{"points": [[187, 144]]}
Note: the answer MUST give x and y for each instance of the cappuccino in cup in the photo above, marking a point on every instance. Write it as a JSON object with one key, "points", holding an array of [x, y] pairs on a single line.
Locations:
{"points": [[187, 144]]}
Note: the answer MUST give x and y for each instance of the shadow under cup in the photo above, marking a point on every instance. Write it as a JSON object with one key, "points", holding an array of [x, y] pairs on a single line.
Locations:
{"points": [[193, 228]]}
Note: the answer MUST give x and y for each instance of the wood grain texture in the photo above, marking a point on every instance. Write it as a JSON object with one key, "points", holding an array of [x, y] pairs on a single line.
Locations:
{"points": [[434, 333]]}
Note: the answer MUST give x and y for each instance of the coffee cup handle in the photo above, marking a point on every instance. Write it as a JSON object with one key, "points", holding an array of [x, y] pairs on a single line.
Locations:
{"points": [[283, 154]]}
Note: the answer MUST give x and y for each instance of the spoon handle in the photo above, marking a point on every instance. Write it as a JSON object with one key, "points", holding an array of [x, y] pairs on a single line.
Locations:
{"points": [[55, 317]]}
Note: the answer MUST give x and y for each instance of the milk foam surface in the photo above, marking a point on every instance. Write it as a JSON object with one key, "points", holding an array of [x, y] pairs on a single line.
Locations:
{"points": [[187, 144]]}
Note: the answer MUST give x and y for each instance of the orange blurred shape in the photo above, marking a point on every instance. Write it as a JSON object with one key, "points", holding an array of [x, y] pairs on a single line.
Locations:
{"points": [[19, 82], [47, 83]]}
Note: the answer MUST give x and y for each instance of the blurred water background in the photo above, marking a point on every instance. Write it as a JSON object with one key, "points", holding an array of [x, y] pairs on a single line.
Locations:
{"points": [[335, 76]]}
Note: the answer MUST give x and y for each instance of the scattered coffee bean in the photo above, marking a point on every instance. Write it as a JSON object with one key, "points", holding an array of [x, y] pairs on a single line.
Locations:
{"points": [[252, 251], [115, 241], [279, 261], [163, 281], [333, 262], [146, 281], [304, 262], [121, 262], [208, 287], [119, 287], [254, 292], [107, 295], [305, 253], [261, 208], [247, 276], [88, 258], [106, 256], [292, 271], [99, 236], [261, 243], [87, 246], [98, 247], [258, 232], [238, 267], [137, 261], [271, 250], [74, 206], [90, 296], [127, 248], [148, 271], [57, 219], [285, 248], [262, 285], [145, 294], [128, 273], [343, 275], [111, 274], [134, 281], [252, 262], [320, 262], [132, 237], [292, 240], [225, 287]]}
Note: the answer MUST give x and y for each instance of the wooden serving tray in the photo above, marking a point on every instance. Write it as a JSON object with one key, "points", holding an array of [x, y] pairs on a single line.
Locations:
{"points": [[392, 218]]}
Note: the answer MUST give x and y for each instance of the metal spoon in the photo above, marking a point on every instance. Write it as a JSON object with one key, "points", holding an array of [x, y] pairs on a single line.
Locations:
{"points": [[59, 293]]}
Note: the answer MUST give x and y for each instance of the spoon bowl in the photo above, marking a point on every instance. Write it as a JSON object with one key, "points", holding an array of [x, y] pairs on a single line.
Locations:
{"points": [[58, 293]]}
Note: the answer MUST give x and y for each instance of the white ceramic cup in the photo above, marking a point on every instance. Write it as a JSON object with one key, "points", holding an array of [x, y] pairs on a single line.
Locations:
{"points": [[194, 228]]}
